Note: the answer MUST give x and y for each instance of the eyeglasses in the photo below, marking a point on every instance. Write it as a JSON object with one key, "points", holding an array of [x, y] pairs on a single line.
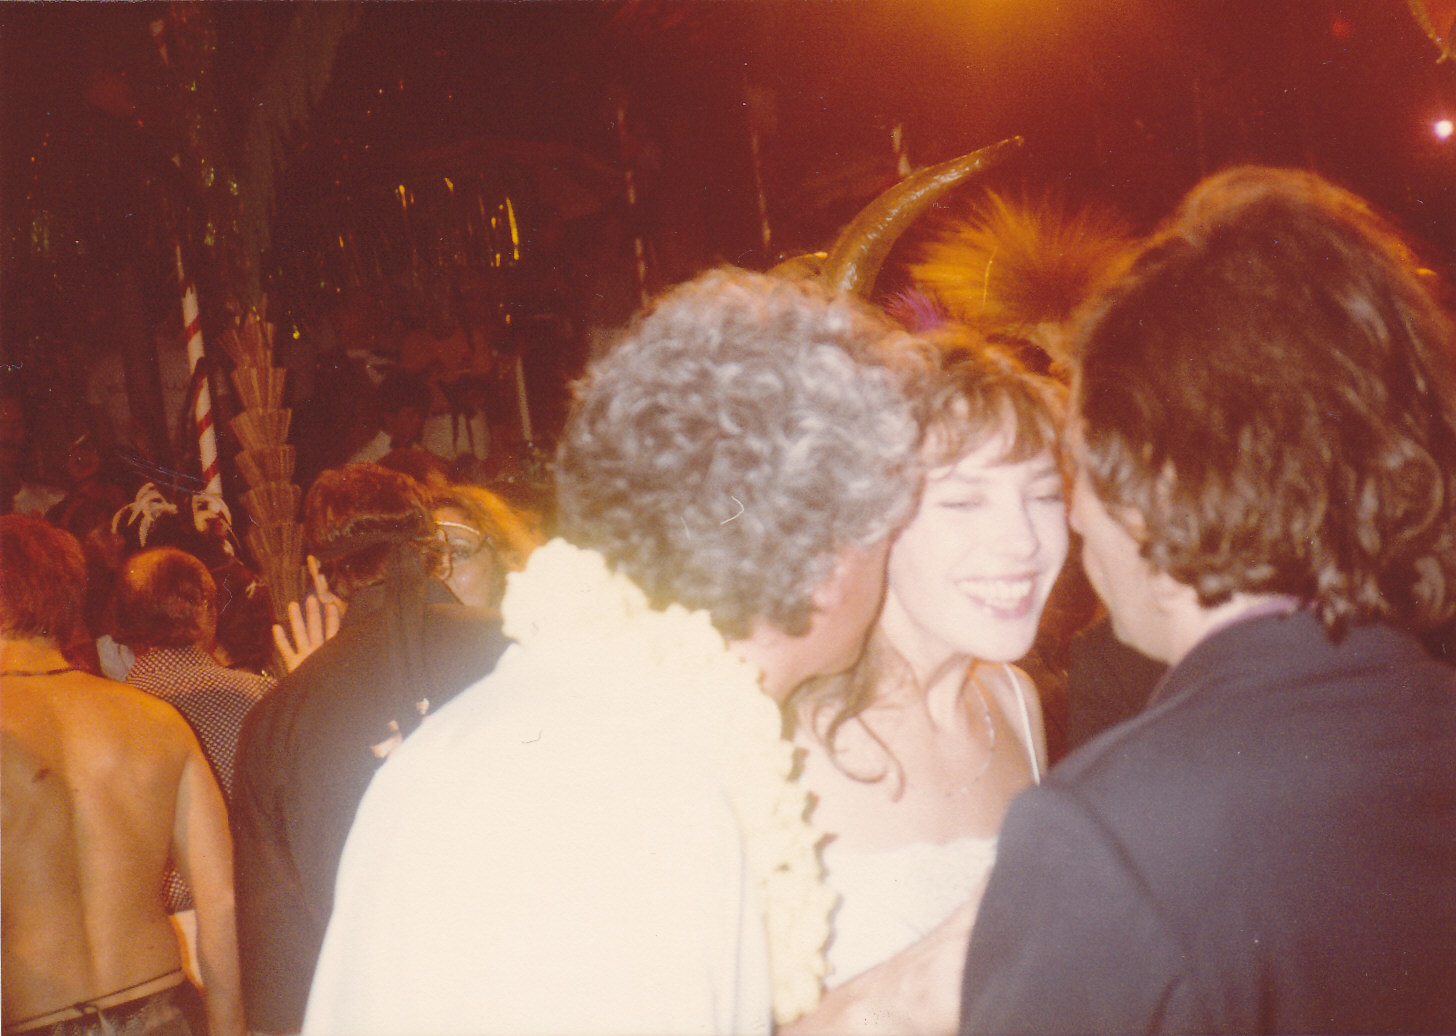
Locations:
{"points": [[457, 551]]}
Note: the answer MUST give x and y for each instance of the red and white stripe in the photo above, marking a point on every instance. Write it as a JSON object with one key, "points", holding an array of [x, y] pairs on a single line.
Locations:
{"points": [[202, 410]]}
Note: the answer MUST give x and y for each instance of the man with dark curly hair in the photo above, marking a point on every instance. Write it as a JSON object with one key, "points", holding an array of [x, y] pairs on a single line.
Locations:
{"points": [[602, 837], [309, 749], [1264, 432]]}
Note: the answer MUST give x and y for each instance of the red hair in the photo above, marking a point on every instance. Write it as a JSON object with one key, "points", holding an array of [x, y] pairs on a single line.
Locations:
{"points": [[42, 580], [165, 597]]}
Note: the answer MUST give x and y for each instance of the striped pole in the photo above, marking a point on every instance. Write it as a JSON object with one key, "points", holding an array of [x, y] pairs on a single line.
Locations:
{"points": [[192, 328], [202, 409]]}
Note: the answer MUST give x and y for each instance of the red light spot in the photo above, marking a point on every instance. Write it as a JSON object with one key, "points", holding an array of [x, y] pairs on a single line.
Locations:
{"points": [[1340, 27]]}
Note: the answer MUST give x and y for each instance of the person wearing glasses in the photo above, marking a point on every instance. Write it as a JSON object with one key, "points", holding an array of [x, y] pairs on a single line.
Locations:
{"points": [[405, 645]]}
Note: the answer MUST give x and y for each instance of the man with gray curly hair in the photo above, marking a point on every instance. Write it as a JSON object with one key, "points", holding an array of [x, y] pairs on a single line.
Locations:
{"points": [[602, 836], [745, 442]]}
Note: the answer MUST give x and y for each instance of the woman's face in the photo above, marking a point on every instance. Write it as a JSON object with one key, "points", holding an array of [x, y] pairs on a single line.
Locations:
{"points": [[972, 571], [475, 571]]}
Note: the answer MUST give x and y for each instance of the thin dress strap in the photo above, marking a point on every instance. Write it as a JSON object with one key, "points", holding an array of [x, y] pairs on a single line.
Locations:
{"points": [[1025, 722]]}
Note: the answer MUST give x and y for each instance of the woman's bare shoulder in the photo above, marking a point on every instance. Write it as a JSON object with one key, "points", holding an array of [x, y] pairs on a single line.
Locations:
{"points": [[1007, 683]]}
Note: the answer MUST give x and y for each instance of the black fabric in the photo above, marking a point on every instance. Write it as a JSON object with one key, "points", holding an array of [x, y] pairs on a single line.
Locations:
{"points": [[405, 586], [1269, 847], [306, 755], [1107, 683]]}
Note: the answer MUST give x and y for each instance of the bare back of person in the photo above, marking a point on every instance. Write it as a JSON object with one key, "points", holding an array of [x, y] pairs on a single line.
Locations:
{"points": [[97, 780]]}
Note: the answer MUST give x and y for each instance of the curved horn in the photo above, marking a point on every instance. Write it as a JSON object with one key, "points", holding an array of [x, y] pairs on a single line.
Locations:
{"points": [[803, 267], [855, 259]]}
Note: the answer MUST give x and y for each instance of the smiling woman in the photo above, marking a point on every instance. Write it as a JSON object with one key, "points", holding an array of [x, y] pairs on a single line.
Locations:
{"points": [[915, 755], [970, 574]]}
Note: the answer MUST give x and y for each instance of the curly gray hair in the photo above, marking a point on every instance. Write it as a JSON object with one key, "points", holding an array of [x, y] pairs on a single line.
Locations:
{"points": [[741, 431]]}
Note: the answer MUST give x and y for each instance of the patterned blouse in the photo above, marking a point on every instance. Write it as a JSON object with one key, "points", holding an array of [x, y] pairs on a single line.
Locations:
{"points": [[213, 700]]}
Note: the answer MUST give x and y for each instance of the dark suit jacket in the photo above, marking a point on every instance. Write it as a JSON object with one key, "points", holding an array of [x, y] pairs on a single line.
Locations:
{"points": [[1269, 847], [305, 758], [1107, 682]]}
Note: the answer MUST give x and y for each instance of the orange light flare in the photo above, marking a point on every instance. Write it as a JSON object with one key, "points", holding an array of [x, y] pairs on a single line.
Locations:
{"points": [[1443, 128]]}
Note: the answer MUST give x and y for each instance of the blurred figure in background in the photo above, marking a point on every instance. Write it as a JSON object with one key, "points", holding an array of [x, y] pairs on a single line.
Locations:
{"points": [[102, 784], [404, 647], [485, 538], [166, 613], [20, 492], [91, 498], [402, 402]]}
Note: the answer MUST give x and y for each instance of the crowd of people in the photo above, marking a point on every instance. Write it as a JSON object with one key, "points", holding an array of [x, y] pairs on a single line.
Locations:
{"points": [[742, 733]]}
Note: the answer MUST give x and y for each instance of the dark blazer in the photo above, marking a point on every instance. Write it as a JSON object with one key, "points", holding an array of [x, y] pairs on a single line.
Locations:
{"points": [[305, 757], [1107, 682], [1269, 847]]}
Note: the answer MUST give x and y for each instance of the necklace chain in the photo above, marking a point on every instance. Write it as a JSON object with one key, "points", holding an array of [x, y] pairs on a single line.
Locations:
{"points": [[990, 725], [864, 724], [39, 672]]}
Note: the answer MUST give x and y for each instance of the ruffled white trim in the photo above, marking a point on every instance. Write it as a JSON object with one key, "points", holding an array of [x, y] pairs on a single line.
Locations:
{"points": [[671, 671]]}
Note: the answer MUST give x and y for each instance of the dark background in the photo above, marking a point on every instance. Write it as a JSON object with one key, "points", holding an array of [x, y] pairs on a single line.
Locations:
{"points": [[407, 143], [1129, 98]]}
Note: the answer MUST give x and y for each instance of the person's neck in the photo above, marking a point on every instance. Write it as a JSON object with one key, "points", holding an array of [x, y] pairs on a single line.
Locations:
{"points": [[1195, 623], [203, 646], [774, 653], [936, 670], [31, 654]]}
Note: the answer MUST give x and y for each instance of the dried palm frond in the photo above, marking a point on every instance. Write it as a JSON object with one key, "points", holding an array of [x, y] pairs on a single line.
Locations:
{"points": [[272, 502], [260, 388], [260, 429], [277, 541], [270, 464]]}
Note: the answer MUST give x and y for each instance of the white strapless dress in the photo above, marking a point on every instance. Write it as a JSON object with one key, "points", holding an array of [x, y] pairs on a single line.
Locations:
{"points": [[890, 899]]}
